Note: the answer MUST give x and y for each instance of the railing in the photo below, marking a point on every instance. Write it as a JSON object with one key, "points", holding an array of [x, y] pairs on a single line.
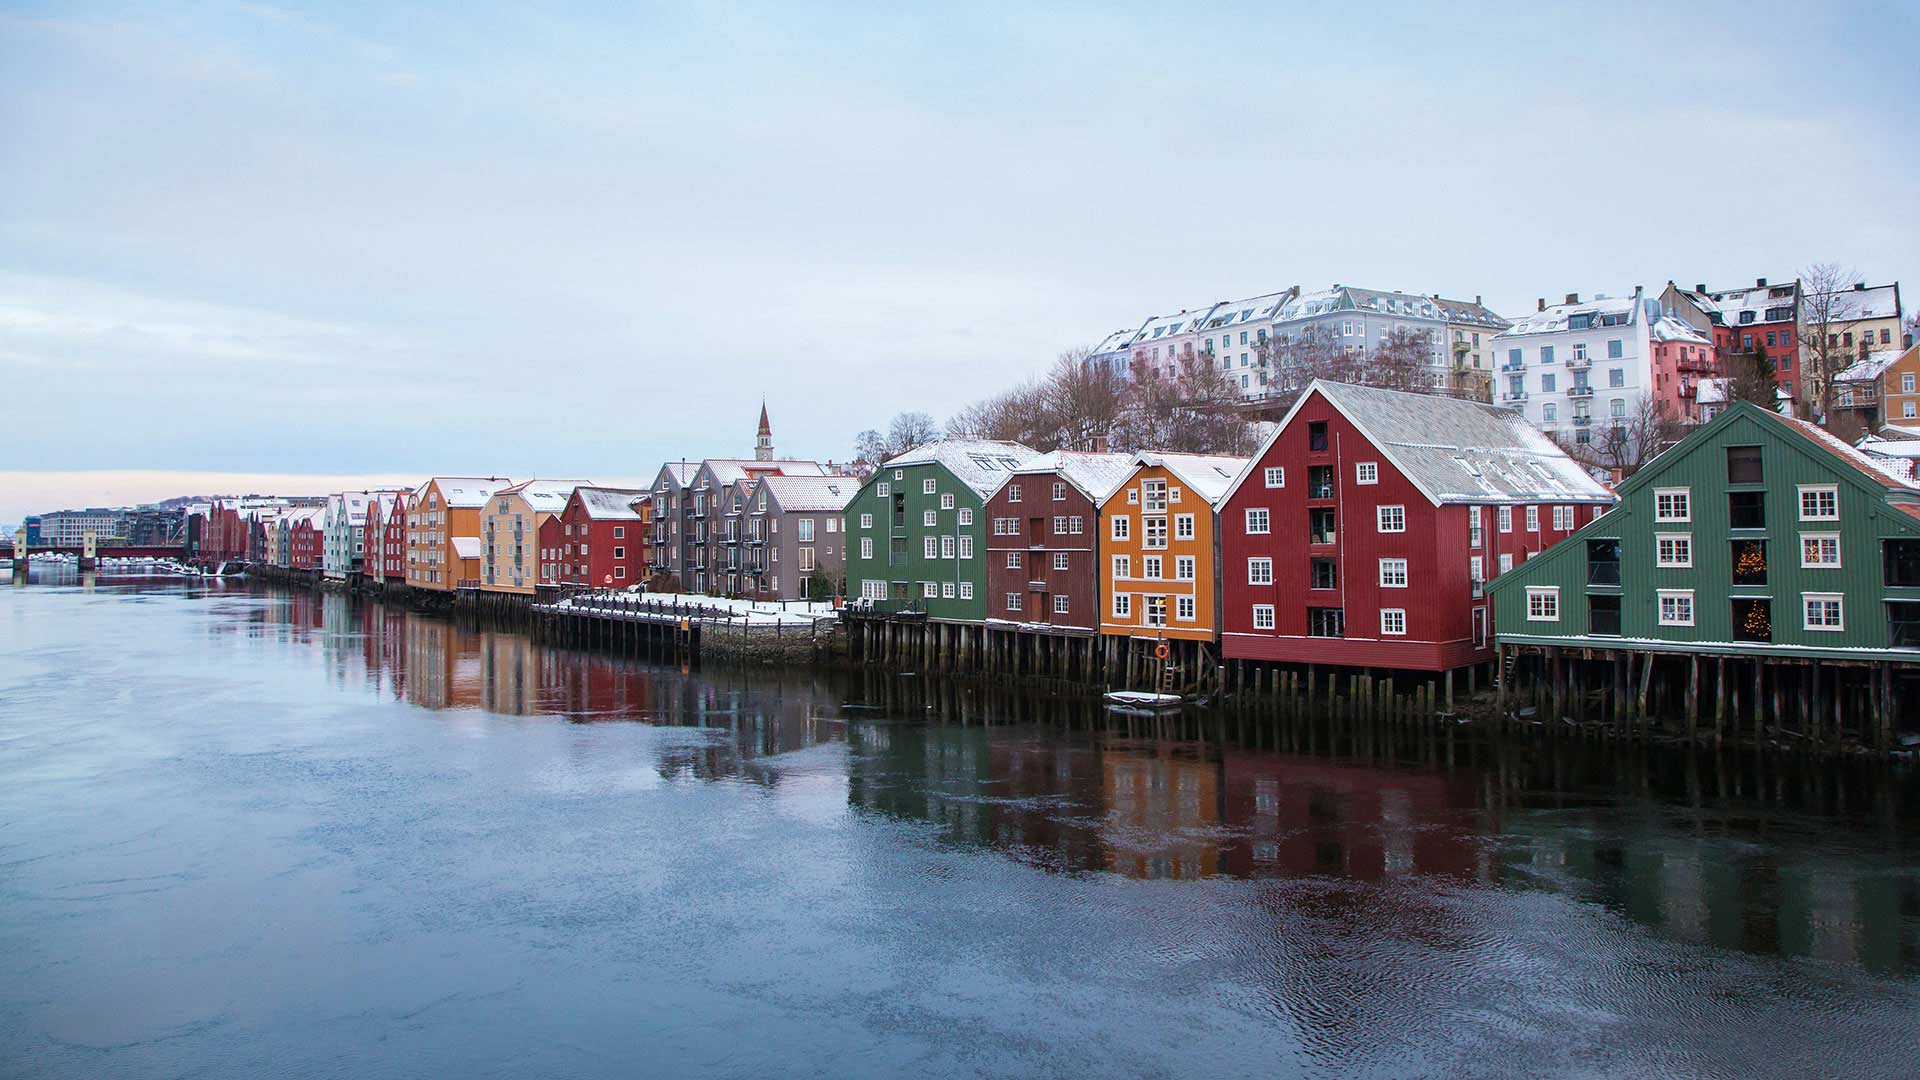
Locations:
{"points": [[1514, 396], [1579, 391], [1578, 362], [869, 606]]}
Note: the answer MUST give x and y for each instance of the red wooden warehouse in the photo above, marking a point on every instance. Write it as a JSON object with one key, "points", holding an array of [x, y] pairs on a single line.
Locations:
{"points": [[1364, 531], [603, 537], [1045, 571]]}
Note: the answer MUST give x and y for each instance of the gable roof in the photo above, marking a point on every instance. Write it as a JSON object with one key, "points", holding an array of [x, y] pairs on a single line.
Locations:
{"points": [[1206, 475], [1874, 366], [1868, 302], [680, 473], [1095, 475], [1893, 473], [1455, 451], [734, 470], [1555, 318], [981, 464], [811, 494], [466, 492], [544, 496], [609, 504]]}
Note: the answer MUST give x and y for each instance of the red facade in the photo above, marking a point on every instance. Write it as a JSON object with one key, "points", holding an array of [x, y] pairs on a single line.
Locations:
{"points": [[393, 547], [599, 539], [226, 535], [1047, 573], [1339, 593], [305, 544]]}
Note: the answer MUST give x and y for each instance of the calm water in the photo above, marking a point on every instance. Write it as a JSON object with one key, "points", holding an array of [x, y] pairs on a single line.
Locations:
{"points": [[247, 834]]}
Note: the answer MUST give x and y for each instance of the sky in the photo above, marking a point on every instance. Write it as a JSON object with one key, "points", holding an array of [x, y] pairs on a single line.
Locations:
{"points": [[311, 242]]}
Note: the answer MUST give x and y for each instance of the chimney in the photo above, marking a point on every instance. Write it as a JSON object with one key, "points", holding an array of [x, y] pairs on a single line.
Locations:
{"points": [[1573, 298], [1540, 304], [1700, 289], [1859, 286], [1477, 301], [1759, 283]]}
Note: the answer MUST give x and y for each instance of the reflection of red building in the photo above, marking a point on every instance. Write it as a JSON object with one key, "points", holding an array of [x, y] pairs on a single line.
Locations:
{"points": [[1305, 816], [1163, 815]]}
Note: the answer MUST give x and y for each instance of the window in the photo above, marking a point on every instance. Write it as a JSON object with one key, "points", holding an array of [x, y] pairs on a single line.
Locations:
{"points": [[1317, 435], [1366, 472], [1257, 520], [1547, 385], [1122, 567], [1074, 523], [966, 547], [1477, 574], [946, 501], [1743, 465], [1820, 550], [1819, 502], [1746, 509], [946, 547], [1504, 517], [946, 588], [1393, 620], [885, 489], [1060, 560], [1183, 608], [1150, 567], [1823, 611], [1155, 532], [1543, 603], [930, 518], [1319, 481], [1672, 504], [1153, 496], [1393, 573], [966, 590], [931, 547], [1475, 537], [1013, 560], [1676, 607], [1059, 491], [866, 521], [866, 547], [1276, 476], [1391, 519], [1122, 606], [1122, 527], [1182, 527], [1320, 524], [1013, 601], [927, 486], [1263, 616], [1615, 350], [1673, 549], [1156, 611], [930, 590], [966, 516], [1326, 622], [1533, 519], [1183, 568], [1260, 571], [1563, 519]]}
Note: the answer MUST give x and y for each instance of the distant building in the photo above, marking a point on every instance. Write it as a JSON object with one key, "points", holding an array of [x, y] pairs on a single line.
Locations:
{"points": [[1880, 389], [68, 528], [443, 535], [603, 539], [795, 548], [1746, 321], [518, 523]]}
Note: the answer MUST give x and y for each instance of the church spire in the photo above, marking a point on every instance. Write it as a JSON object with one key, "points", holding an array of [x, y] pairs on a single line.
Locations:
{"points": [[763, 441]]}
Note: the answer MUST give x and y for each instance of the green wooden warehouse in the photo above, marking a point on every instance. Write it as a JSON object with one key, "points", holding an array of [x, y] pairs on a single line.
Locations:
{"points": [[1760, 566], [916, 534]]}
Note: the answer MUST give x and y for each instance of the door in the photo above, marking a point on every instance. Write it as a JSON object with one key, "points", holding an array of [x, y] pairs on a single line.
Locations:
{"points": [[1479, 628]]}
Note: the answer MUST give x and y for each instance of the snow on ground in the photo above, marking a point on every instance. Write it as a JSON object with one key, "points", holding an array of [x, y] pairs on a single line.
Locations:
{"points": [[701, 608]]}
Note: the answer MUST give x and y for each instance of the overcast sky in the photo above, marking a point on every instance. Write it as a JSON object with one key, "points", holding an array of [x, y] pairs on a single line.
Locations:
{"points": [[469, 238]]}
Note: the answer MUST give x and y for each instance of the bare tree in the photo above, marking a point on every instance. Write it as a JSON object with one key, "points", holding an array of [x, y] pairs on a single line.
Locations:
{"points": [[1086, 400], [1822, 297], [1192, 411], [1023, 414], [1636, 438], [1292, 360], [1403, 361], [904, 432]]}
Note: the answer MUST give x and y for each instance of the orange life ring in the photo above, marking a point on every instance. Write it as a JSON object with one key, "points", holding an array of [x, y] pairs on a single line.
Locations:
{"points": [[1160, 651]]}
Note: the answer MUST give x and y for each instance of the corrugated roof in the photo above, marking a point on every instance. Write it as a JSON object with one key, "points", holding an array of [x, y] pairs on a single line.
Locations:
{"points": [[680, 472], [466, 547], [981, 464], [1206, 475], [734, 470], [1888, 472], [466, 492], [545, 496], [812, 494], [610, 504], [1459, 451], [1555, 318], [1096, 475], [1872, 367]]}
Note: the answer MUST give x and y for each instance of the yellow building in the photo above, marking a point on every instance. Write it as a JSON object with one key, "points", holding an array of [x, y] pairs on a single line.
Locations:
{"points": [[443, 532], [515, 529]]}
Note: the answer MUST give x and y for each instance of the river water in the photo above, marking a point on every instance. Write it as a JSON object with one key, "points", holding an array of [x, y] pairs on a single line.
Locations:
{"points": [[248, 833]]}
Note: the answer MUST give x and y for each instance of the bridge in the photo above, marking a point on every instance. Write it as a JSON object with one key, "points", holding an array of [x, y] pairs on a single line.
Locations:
{"points": [[177, 551]]}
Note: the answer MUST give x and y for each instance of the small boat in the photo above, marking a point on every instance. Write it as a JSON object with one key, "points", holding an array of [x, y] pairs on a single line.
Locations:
{"points": [[1145, 700]]}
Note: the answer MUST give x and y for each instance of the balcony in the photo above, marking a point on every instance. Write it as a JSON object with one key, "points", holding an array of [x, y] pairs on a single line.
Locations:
{"points": [[1700, 364], [1582, 421], [1511, 366], [1579, 362], [1512, 395], [1579, 391]]}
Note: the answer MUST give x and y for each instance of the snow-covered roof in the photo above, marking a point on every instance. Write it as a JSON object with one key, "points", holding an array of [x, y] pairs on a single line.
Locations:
{"points": [[545, 496], [812, 494], [1309, 304], [1673, 328], [981, 464], [1459, 451], [1900, 448], [313, 516], [678, 473], [1116, 341], [1230, 313], [1758, 299], [1870, 302], [1206, 475], [610, 504], [1186, 320], [1890, 471], [1711, 391], [466, 547], [734, 470], [1096, 475], [1870, 369], [467, 492], [1555, 318]]}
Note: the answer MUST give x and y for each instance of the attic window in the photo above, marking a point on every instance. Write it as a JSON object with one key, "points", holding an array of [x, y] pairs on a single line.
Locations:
{"points": [[1472, 469]]}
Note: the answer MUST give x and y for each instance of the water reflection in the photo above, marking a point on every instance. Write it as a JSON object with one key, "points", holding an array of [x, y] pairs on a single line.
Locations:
{"points": [[1743, 852]]}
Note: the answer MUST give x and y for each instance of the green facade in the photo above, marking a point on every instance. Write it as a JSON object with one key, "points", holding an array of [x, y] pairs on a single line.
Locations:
{"points": [[898, 501], [1715, 467]]}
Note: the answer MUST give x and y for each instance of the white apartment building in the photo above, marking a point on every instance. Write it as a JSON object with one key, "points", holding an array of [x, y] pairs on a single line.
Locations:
{"points": [[342, 534]]}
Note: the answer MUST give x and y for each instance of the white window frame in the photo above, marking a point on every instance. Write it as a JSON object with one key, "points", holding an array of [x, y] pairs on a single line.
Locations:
{"points": [[1150, 567], [929, 590], [1820, 537], [1122, 567], [1061, 560], [1684, 494], [946, 588], [1660, 540], [1816, 490], [1122, 605], [1380, 522], [1014, 561], [930, 519], [1547, 609], [1259, 522], [930, 547], [866, 522], [1839, 600], [1504, 515], [946, 500], [966, 515], [1260, 571], [966, 590], [1665, 595], [1060, 603], [1275, 476], [1185, 609], [927, 486], [1263, 616], [1014, 600], [1393, 622], [1122, 527], [1366, 472], [1533, 519], [1183, 527], [1183, 566], [1388, 568]]}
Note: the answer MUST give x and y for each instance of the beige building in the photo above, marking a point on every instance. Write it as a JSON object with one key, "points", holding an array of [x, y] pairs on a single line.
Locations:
{"points": [[443, 535], [514, 528]]}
